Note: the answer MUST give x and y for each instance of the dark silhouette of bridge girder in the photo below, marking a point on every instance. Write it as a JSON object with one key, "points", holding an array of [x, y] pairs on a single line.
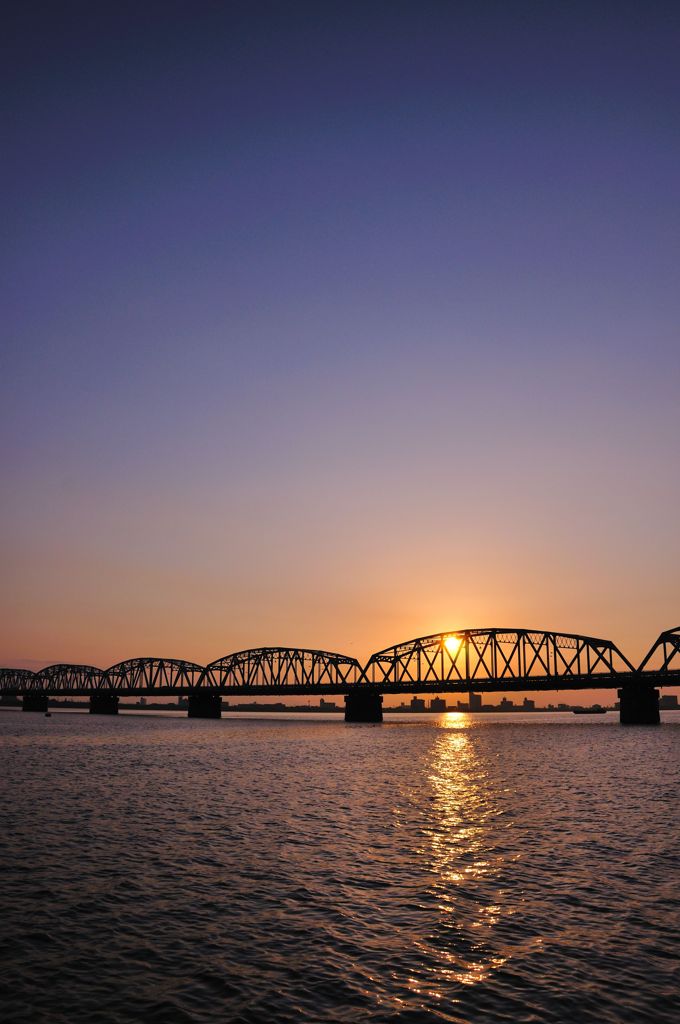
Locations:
{"points": [[154, 675], [498, 659], [663, 656], [283, 670]]}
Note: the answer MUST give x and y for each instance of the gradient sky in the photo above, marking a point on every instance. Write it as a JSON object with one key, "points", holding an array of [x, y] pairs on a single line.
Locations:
{"points": [[336, 324]]}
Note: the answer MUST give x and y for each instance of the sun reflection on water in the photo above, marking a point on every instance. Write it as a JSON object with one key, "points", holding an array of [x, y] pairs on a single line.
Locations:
{"points": [[455, 720], [469, 933]]}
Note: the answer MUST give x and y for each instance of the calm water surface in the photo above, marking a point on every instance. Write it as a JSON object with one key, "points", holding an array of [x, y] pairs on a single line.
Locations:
{"points": [[445, 869]]}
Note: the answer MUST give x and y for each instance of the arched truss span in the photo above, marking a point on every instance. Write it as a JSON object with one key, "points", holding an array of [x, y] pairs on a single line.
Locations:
{"points": [[664, 655], [279, 669], [491, 657], [70, 679], [157, 674], [16, 680]]}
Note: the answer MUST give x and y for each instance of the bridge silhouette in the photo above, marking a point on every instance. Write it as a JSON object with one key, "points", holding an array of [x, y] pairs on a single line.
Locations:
{"points": [[494, 660]]}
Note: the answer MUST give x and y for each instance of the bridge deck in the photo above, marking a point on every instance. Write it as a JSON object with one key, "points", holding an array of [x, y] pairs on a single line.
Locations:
{"points": [[531, 684]]}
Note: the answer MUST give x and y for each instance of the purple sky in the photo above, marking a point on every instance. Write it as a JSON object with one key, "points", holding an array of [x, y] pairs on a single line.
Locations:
{"points": [[336, 324]]}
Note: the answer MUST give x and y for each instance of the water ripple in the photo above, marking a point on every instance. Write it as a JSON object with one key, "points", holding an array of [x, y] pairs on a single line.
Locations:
{"points": [[173, 870]]}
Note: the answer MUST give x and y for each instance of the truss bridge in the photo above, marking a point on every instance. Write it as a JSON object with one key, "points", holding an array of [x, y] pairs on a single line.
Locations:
{"points": [[490, 660]]}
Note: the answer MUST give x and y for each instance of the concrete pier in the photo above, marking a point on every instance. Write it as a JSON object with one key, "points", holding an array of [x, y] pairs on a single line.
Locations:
{"points": [[103, 702], [205, 703], [34, 702], [364, 704], [639, 705]]}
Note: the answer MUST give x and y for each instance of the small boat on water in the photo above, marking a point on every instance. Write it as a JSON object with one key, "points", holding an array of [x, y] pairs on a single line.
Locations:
{"points": [[597, 710], [48, 714]]}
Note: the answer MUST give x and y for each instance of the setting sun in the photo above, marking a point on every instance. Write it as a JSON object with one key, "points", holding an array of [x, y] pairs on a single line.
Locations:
{"points": [[452, 643]]}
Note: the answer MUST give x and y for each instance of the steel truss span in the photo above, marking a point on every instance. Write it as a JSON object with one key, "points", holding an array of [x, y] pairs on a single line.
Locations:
{"points": [[154, 675], [664, 655], [69, 679], [16, 680], [283, 670], [498, 659]]}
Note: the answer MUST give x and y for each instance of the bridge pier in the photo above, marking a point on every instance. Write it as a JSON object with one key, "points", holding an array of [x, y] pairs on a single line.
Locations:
{"points": [[639, 705], [34, 702], [103, 702], [364, 704], [205, 703]]}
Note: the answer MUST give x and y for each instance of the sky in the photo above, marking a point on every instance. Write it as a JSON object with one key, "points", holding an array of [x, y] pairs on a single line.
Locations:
{"points": [[335, 324]]}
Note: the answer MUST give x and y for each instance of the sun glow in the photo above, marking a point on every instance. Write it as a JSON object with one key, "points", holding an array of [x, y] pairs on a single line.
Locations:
{"points": [[452, 643]]}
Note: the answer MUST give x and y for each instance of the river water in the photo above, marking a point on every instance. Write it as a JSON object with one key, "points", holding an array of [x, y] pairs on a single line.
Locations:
{"points": [[452, 868]]}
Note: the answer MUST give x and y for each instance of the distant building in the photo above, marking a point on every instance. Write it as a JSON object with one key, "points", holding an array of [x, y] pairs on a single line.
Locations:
{"points": [[437, 704], [327, 705], [668, 702], [475, 702], [417, 704], [528, 705], [506, 705]]}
